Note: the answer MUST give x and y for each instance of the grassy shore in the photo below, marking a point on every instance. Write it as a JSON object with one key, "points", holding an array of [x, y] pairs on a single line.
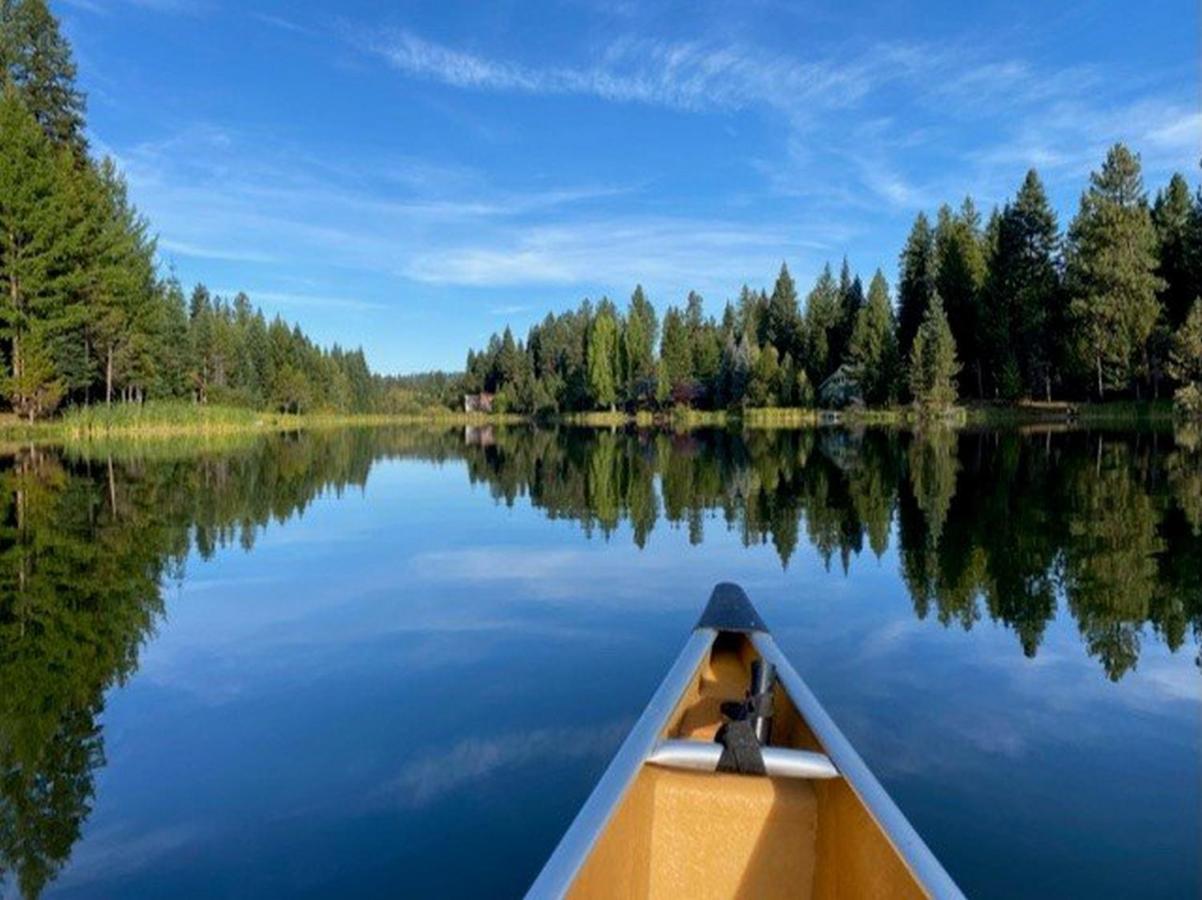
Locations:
{"points": [[174, 419], [168, 419]]}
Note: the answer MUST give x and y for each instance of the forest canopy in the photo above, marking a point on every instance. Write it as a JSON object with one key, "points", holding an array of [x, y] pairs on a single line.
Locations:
{"points": [[999, 309]]}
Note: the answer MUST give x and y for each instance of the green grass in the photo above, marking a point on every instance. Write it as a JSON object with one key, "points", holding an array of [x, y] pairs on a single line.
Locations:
{"points": [[165, 419], [161, 419], [779, 417]]}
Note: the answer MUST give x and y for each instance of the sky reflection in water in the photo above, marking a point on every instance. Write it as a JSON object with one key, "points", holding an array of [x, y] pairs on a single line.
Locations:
{"points": [[435, 643]]}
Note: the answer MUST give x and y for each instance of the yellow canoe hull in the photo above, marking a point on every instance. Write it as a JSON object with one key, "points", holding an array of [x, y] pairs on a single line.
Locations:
{"points": [[651, 830]]}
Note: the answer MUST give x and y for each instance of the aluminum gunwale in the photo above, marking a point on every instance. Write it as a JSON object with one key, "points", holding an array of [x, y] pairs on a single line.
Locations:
{"points": [[577, 842], [917, 855]]}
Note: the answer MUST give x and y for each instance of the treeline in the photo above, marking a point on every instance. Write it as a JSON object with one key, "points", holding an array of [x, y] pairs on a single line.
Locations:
{"points": [[84, 315], [1003, 310]]}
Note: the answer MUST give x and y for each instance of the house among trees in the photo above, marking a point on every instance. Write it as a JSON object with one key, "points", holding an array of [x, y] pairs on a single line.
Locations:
{"points": [[478, 403], [841, 389]]}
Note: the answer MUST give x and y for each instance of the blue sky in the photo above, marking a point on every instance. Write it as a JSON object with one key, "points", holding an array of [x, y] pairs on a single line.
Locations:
{"points": [[412, 176]]}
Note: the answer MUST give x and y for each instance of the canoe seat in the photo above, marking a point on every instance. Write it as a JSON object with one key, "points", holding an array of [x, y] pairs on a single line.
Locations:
{"points": [[700, 834]]}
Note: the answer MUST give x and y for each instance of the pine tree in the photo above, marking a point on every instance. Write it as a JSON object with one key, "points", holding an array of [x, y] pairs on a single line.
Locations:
{"points": [[676, 357], [1111, 274], [40, 236], [602, 353], [749, 313], [120, 274], [36, 59], [1171, 215], [851, 300], [873, 348], [1024, 322], [933, 363], [822, 316], [959, 278], [916, 282], [638, 343], [780, 324]]}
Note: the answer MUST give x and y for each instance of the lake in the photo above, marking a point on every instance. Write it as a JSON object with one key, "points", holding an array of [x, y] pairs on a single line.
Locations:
{"points": [[394, 662]]}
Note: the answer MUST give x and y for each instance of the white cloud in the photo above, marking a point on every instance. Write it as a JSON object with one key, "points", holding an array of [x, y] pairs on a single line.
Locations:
{"points": [[685, 75], [428, 778]]}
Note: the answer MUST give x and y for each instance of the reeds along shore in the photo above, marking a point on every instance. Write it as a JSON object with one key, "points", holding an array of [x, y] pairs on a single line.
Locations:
{"points": [[181, 419]]}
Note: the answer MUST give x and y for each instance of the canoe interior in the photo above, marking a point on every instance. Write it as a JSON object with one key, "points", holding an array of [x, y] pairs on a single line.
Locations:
{"points": [[699, 834]]}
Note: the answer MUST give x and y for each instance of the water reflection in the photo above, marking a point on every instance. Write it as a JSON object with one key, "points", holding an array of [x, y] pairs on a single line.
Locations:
{"points": [[997, 524], [1010, 526]]}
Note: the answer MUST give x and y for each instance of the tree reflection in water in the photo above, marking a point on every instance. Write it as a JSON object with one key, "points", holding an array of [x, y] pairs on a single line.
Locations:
{"points": [[1000, 524]]}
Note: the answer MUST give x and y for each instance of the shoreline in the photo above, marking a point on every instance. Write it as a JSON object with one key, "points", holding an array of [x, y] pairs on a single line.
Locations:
{"points": [[171, 420]]}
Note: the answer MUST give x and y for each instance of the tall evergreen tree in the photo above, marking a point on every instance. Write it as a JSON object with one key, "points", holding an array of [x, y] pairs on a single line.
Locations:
{"points": [[780, 324], [1112, 274], [638, 343], [40, 236], [851, 300], [959, 278], [822, 318], [676, 357], [602, 354], [916, 282], [873, 348], [1023, 319], [933, 363], [37, 60], [1171, 215], [120, 286]]}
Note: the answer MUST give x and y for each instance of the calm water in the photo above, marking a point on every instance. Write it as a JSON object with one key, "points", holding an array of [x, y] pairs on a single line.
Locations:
{"points": [[382, 663]]}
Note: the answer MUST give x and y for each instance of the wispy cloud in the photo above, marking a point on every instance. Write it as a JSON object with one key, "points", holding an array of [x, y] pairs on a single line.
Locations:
{"points": [[686, 75], [282, 23], [170, 247], [428, 778]]}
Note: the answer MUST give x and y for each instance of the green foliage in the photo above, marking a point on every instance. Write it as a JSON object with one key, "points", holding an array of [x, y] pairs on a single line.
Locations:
{"points": [[1185, 363], [1111, 274], [960, 268], [36, 59], [823, 317], [780, 323], [83, 313], [1173, 215], [933, 363], [40, 238], [1022, 320], [916, 282], [676, 356], [638, 347], [873, 350], [602, 356], [764, 386]]}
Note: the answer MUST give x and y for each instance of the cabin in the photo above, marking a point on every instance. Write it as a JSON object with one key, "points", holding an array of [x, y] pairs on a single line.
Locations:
{"points": [[841, 389], [478, 403]]}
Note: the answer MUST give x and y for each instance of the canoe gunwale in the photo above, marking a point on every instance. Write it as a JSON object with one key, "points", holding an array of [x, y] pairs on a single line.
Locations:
{"points": [[582, 835], [910, 846]]}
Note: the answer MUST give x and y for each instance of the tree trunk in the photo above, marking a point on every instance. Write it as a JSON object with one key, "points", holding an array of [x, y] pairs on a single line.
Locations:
{"points": [[108, 377], [1101, 389]]}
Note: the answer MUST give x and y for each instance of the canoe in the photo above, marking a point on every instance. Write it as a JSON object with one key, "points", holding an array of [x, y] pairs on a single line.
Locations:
{"points": [[734, 782]]}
